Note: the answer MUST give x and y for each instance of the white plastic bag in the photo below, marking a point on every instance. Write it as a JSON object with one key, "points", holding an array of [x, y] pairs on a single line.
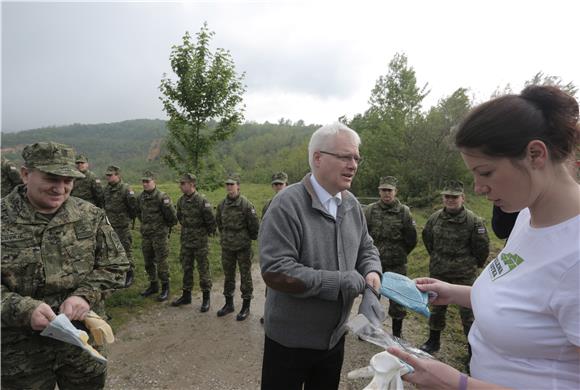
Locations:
{"points": [[63, 330], [386, 371]]}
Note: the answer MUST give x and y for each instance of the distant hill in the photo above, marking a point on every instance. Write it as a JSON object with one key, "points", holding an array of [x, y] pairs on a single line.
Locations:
{"points": [[255, 151], [126, 143]]}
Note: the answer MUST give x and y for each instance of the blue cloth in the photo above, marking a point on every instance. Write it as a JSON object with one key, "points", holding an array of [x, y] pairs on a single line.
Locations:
{"points": [[403, 290]]}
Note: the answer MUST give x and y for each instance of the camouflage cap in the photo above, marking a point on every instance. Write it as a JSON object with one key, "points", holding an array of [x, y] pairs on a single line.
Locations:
{"points": [[112, 170], [279, 178], [51, 157], [148, 175], [452, 187], [81, 158], [189, 178], [233, 179], [389, 182]]}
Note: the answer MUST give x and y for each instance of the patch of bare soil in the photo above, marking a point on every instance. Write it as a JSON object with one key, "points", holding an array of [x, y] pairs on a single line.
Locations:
{"points": [[180, 348]]}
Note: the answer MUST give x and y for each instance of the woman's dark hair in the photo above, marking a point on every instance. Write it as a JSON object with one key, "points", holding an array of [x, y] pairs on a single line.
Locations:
{"points": [[504, 126]]}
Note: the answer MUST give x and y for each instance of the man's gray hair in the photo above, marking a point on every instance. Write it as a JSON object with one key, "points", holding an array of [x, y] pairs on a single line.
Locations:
{"points": [[323, 139]]}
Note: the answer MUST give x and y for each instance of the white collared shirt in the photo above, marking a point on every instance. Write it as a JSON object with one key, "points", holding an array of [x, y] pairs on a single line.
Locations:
{"points": [[329, 202]]}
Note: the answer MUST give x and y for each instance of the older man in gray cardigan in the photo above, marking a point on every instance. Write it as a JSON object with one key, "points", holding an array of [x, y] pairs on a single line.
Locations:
{"points": [[316, 257]]}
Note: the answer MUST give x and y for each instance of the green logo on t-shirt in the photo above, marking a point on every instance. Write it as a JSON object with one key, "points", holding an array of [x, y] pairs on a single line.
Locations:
{"points": [[503, 264]]}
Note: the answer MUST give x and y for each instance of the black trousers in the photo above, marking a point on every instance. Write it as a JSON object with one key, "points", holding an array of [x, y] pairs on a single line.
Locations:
{"points": [[289, 368]]}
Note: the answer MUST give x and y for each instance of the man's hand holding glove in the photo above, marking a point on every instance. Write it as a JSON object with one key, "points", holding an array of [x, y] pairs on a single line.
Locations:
{"points": [[371, 307], [99, 328]]}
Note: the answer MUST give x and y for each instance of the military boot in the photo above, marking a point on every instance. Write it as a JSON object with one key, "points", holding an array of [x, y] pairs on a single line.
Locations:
{"points": [[228, 307], [152, 289], [205, 303], [164, 292], [397, 327], [184, 299], [130, 278], [243, 314], [433, 344]]}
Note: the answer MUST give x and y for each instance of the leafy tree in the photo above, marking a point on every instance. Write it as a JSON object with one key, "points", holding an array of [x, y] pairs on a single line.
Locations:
{"points": [[395, 106], [204, 104], [541, 78], [396, 98], [429, 150]]}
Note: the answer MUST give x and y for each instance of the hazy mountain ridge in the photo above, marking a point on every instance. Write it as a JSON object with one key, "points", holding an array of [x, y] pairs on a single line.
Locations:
{"points": [[135, 145]]}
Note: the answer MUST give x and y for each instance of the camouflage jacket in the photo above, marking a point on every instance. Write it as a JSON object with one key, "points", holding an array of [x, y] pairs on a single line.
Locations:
{"points": [[197, 220], [156, 213], [393, 230], [265, 208], [120, 204], [10, 177], [89, 188], [237, 222], [50, 259], [457, 243]]}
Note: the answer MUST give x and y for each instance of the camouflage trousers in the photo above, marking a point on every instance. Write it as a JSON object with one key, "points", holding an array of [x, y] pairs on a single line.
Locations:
{"points": [[188, 258], [155, 253], [437, 321], [396, 311], [39, 363], [243, 258], [124, 233]]}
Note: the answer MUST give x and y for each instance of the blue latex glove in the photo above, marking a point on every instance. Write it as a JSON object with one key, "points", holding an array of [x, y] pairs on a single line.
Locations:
{"points": [[403, 290]]}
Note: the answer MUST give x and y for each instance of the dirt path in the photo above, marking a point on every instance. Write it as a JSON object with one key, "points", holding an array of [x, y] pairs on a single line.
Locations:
{"points": [[181, 348]]}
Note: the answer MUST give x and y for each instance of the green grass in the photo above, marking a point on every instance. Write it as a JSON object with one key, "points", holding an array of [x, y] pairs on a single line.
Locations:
{"points": [[125, 304]]}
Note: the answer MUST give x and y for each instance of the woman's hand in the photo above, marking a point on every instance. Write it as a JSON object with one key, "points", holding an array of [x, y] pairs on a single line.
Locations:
{"points": [[429, 374]]}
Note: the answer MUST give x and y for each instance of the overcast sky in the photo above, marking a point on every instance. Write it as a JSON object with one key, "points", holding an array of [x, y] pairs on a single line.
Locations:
{"points": [[94, 62]]}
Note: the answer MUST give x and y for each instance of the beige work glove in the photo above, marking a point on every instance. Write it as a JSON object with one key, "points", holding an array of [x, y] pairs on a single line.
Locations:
{"points": [[100, 330]]}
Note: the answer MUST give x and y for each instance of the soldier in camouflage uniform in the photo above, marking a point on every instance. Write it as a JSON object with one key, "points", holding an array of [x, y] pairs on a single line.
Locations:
{"points": [[88, 187], [279, 182], [238, 225], [59, 255], [195, 215], [121, 207], [392, 228], [157, 216], [458, 244], [10, 177]]}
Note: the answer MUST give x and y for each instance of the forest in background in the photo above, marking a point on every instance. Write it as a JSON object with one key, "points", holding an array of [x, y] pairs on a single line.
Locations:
{"points": [[399, 138]]}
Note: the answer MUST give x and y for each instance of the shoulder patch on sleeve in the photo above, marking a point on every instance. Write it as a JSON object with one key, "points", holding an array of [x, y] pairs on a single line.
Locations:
{"points": [[207, 205], [131, 192], [166, 200], [480, 229], [253, 210], [98, 181], [12, 168], [413, 222]]}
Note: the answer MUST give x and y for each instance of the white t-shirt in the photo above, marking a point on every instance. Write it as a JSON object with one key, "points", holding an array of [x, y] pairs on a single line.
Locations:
{"points": [[526, 305]]}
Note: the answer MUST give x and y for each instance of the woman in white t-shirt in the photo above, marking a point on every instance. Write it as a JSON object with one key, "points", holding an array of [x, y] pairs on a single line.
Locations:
{"points": [[526, 302]]}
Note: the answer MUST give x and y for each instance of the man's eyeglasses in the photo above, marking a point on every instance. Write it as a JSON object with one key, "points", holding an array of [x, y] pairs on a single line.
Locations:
{"points": [[345, 158], [451, 196]]}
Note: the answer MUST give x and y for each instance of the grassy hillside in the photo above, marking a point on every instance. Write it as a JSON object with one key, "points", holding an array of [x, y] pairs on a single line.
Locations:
{"points": [[125, 304]]}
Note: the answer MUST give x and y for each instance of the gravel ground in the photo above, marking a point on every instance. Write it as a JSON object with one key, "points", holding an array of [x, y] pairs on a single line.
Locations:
{"points": [[181, 348]]}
